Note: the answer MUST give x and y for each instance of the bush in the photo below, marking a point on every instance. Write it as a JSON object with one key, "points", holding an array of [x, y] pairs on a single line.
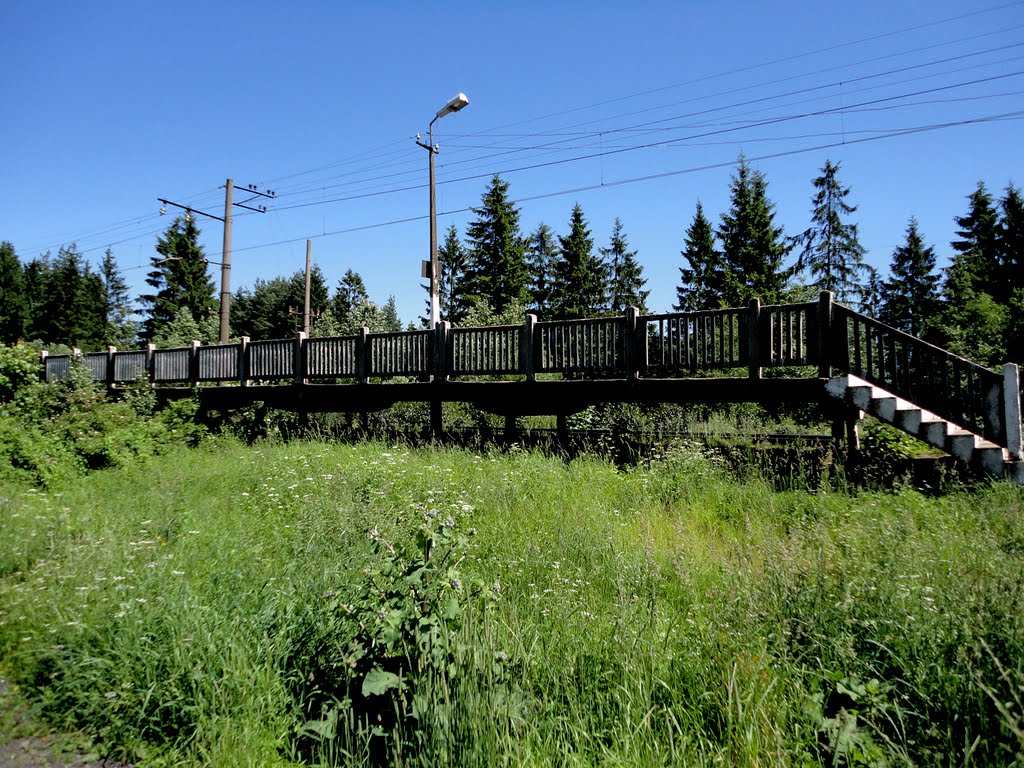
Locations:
{"points": [[19, 367]]}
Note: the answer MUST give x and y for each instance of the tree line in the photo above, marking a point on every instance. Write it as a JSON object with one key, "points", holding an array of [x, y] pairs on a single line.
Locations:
{"points": [[496, 272]]}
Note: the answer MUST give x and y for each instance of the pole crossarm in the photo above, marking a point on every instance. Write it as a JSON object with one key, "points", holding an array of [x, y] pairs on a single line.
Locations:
{"points": [[190, 209]]}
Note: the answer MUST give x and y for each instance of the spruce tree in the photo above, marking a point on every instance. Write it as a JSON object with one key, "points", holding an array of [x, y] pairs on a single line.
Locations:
{"points": [[350, 294], [910, 297], [543, 254], [120, 328], [752, 246], [496, 270], [72, 309], [179, 278], [974, 264], [626, 275], [702, 282], [581, 278], [391, 321], [974, 322], [12, 296], [1010, 243], [451, 259], [832, 252], [36, 279]]}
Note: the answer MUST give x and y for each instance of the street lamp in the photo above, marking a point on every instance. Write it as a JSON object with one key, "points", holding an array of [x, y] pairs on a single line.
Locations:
{"points": [[453, 105]]}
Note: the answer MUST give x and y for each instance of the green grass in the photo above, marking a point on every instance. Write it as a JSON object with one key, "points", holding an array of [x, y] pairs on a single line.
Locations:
{"points": [[203, 607]]}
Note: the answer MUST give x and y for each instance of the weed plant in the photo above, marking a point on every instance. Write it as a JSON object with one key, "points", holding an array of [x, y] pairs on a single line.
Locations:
{"points": [[371, 604]]}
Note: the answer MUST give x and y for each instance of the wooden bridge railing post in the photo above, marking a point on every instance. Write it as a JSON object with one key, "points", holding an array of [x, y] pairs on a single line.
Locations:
{"points": [[193, 362], [243, 361], [150, 367], [299, 366], [825, 334], [632, 349], [1012, 411], [43, 354], [439, 365], [754, 338], [527, 345], [363, 356], [110, 366]]}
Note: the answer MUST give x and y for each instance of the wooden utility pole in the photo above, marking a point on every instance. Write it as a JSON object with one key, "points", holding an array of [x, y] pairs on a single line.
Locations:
{"points": [[225, 262], [305, 308], [225, 265]]}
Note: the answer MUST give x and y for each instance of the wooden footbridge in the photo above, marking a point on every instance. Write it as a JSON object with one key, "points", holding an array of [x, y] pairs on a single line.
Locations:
{"points": [[819, 352]]}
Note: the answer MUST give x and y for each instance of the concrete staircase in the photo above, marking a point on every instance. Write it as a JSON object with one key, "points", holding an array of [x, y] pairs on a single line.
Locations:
{"points": [[989, 457]]}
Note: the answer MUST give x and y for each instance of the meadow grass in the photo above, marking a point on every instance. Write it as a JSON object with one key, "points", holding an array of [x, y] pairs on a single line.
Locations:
{"points": [[216, 608]]}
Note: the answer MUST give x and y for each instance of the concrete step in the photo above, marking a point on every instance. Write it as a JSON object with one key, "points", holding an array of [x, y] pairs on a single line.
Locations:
{"points": [[955, 440]]}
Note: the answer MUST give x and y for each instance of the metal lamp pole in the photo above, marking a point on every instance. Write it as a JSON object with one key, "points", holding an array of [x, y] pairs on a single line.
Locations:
{"points": [[454, 105]]}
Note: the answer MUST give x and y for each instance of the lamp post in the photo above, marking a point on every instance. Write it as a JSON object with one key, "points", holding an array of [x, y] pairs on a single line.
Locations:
{"points": [[453, 105]]}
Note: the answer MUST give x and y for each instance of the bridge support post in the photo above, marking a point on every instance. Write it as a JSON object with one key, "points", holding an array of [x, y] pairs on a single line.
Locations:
{"points": [[436, 418], [1012, 411]]}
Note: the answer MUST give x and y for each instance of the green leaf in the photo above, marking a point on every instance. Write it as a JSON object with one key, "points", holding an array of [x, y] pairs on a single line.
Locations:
{"points": [[378, 682]]}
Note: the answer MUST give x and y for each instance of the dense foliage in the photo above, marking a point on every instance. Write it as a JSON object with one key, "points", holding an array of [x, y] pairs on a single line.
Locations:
{"points": [[374, 605]]}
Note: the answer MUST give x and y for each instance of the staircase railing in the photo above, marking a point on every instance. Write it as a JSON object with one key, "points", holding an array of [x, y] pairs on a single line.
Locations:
{"points": [[950, 386]]}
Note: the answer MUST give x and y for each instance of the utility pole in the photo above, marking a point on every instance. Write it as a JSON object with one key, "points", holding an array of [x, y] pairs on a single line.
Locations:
{"points": [[305, 308], [225, 265], [225, 262]]}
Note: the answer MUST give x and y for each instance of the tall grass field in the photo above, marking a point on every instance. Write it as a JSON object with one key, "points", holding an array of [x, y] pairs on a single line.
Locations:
{"points": [[311, 603]]}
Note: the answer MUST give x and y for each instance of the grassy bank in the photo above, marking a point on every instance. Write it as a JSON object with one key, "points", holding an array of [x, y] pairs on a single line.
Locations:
{"points": [[257, 606]]}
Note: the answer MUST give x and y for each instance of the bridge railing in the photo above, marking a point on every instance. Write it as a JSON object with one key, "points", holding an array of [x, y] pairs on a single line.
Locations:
{"points": [[685, 342], [591, 346], [933, 378], [492, 351], [625, 345]]}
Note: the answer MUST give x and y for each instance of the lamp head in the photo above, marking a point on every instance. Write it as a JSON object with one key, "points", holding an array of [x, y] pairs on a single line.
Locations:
{"points": [[454, 105]]}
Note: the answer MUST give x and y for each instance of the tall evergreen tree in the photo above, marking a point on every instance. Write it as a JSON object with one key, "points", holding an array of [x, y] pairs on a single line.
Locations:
{"points": [[36, 279], [117, 305], [350, 294], [1010, 244], [496, 269], [390, 319], [581, 278], [752, 246], [543, 254], [179, 278], [832, 252], [72, 309], [973, 322], [12, 296], [974, 264], [702, 282], [451, 259], [626, 280], [910, 297], [262, 313]]}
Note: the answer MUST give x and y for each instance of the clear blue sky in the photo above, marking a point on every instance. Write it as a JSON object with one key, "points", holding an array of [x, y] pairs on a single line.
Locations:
{"points": [[635, 110]]}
